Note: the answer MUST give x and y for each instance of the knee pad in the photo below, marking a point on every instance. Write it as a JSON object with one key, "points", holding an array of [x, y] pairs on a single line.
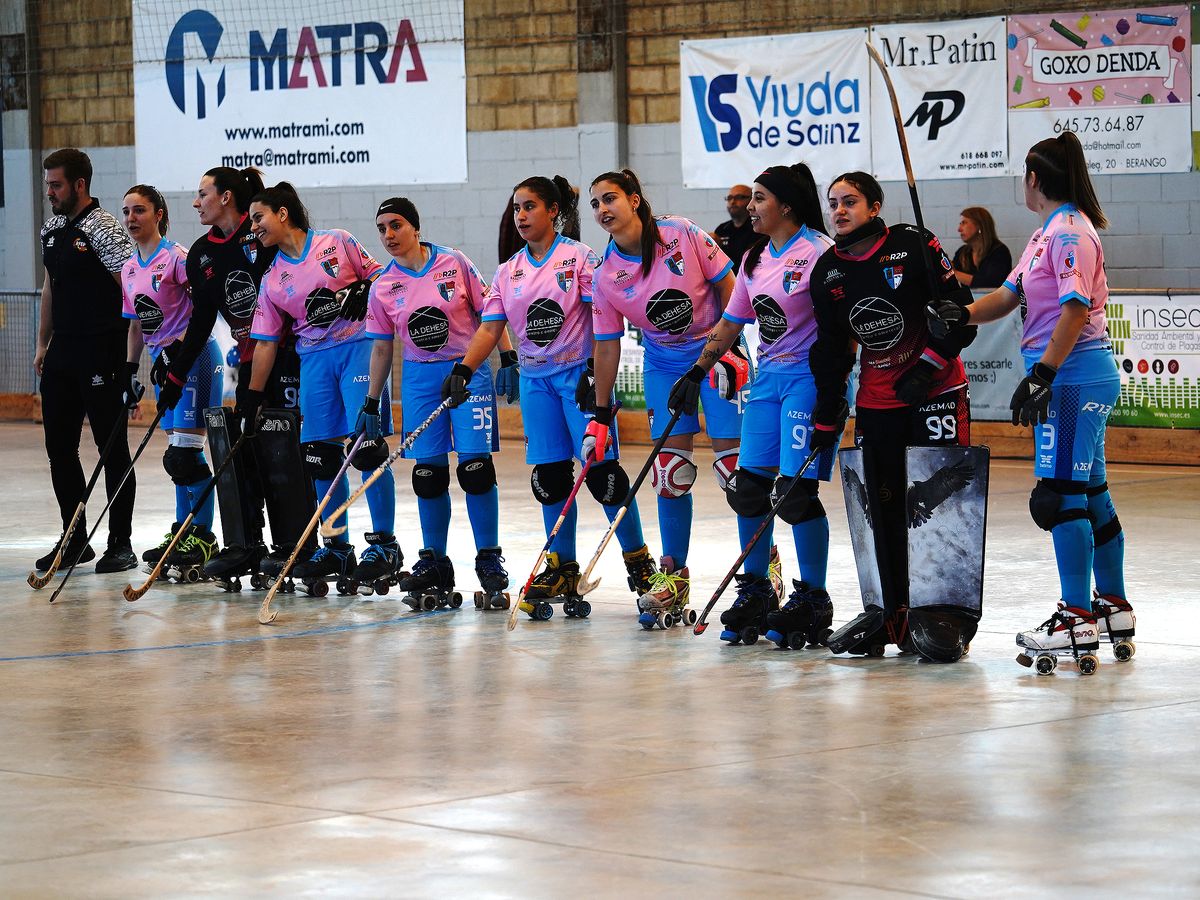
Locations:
{"points": [[608, 482], [1045, 502], [751, 494], [674, 473], [802, 504], [1102, 534], [323, 460], [430, 480], [370, 455], [552, 482], [184, 463], [724, 467], [476, 476]]}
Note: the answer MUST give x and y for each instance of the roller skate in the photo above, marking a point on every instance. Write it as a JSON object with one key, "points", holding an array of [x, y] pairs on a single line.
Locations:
{"points": [[493, 578], [666, 601], [379, 567], [775, 573], [869, 633], [1069, 631], [805, 620], [272, 565], [747, 618], [431, 584], [154, 554], [228, 566], [641, 568], [557, 583], [333, 561], [1115, 617], [185, 565]]}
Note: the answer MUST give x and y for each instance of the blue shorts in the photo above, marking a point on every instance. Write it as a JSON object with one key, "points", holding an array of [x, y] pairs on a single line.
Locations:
{"points": [[552, 421], [1071, 444], [777, 425], [333, 386], [203, 389], [722, 418], [469, 429]]}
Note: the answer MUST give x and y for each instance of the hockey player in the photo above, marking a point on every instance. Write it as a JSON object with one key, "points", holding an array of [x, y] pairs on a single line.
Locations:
{"points": [[871, 289], [666, 276], [431, 297], [544, 294], [154, 287], [773, 288], [320, 281], [1067, 395]]}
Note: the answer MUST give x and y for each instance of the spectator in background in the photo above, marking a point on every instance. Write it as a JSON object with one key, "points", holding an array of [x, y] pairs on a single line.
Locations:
{"points": [[736, 235], [982, 261]]}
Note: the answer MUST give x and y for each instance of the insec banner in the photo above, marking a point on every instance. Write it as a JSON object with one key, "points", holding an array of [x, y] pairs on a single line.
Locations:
{"points": [[749, 103], [342, 94], [1121, 80], [1157, 342], [949, 79]]}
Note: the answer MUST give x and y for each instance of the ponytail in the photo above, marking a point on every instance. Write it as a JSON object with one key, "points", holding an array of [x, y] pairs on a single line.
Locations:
{"points": [[1062, 174], [284, 196], [794, 186], [628, 183], [556, 191]]}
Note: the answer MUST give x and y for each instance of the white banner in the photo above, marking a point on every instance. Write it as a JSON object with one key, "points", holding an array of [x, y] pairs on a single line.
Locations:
{"points": [[994, 368], [353, 93], [949, 79], [749, 103]]}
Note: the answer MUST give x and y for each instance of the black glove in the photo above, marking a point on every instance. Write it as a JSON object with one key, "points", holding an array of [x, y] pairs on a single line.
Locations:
{"points": [[585, 390], [685, 394], [508, 379], [944, 316], [912, 388], [166, 356], [827, 429], [456, 386], [1030, 402], [353, 301], [249, 405], [170, 392], [133, 388]]}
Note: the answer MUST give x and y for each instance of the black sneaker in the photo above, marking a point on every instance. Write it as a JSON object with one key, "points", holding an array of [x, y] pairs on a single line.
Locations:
{"points": [[78, 539], [117, 558]]}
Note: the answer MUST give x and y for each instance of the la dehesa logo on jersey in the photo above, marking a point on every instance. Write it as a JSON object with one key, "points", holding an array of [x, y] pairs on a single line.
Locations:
{"points": [[670, 311], [428, 328], [772, 322], [877, 323], [675, 263], [543, 321], [240, 294], [149, 313], [321, 308]]}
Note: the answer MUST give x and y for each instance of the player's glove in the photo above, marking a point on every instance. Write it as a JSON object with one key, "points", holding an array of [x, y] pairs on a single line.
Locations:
{"points": [[133, 388], [1030, 402], [912, 388], [368, 420], [352, 300], [249, 406], [944, 316], [731, 373], [162, 363], [508, 379], [685, 393], [596, 439], [585, 389], [828, 425], [170, 392], [455, 387]]}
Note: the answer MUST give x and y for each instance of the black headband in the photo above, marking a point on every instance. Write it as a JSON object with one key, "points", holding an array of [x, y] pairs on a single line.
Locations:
{"points": [[400, 206]]}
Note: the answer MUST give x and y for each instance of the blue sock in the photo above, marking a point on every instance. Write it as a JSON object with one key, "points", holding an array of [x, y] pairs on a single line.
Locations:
{"points": [[204, 515], [812, 550], [1108, 564], [341, 493], [675, 527], [564, 541], [484, 512], [183, 502], [760, 557], [381, 499], [629, 532], [435, 521], [1073, 551]]}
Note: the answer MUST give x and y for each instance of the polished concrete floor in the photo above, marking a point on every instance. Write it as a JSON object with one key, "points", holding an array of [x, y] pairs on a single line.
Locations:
{"points": [[176, 747]]}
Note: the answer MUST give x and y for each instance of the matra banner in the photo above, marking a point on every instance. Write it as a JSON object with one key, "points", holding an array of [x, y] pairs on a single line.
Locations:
{"points": [[352, 93]]}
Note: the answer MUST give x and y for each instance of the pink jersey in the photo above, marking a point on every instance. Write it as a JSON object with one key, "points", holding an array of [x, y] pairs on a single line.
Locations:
{"points": [[548, 305], [776, 294], [676, 305], [304, 290], [435, 311], [1063, 261], [155, 292]]}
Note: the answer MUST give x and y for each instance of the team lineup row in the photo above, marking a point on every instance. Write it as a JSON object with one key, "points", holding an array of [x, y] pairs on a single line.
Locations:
{"points": [[316, 317]]}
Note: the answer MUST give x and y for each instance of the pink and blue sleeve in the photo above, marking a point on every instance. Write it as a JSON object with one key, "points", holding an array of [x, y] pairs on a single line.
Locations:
{"points": [[1073, 259], [493, 310], [379, 324], [739, 309], [607, 322], [267, 324]]}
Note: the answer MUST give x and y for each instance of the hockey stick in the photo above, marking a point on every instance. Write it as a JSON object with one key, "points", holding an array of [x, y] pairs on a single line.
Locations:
{"points": [[585, 586], [701, 623], [265, 614], [562, 517], [100, 518], [328, 529], [36, 581], [132, 593]]}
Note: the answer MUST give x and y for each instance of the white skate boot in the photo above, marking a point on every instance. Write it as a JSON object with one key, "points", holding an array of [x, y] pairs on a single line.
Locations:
{"points": [[1069, 632], [1115, 617]]}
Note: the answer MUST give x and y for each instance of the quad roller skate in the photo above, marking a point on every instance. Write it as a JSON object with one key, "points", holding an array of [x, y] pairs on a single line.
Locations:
{"points": [[333, 562], [272, 564], [379, 568], [227, 567], [666, 601], [493, 578], [1115, 617], [557, 583], [747, 618], [431, 584], [1069, 631], [154, 554], [185, 565], [869, 633], [641, 568], [805, 620]]}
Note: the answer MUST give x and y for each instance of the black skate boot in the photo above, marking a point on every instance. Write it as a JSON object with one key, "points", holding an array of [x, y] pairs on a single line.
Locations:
{"points": [[379, 567], [227, 566], [76, 546], [557, 583], [333, 561], [493, 578], [186, 562], [272, 565], [805, 620], [744, 621], [869, 633], [641, 568], [431, 584], [941, 633], [154, 554], [117, 558]]}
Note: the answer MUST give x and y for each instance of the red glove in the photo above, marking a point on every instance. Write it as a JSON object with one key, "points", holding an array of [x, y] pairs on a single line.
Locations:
{"points": [[596, 439], [730, 374]]}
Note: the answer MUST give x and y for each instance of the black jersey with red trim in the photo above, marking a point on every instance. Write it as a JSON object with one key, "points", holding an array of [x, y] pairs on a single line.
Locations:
{"points": [[877, 300]]}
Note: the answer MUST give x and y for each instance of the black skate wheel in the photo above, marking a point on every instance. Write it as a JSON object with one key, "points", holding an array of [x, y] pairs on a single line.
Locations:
{"points": [[501, 601], [346, 586], [429, 603], [235, 585], [192, 576], [689, 617], [318, 588], [876, 650], [749, 635], [796, 640], [257, 582], [569, 608], [455, 600], [479, 601], [381, 587], [1123, 651], [1088, 664], [583, 609], [1046, 665], [542, 611]]}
